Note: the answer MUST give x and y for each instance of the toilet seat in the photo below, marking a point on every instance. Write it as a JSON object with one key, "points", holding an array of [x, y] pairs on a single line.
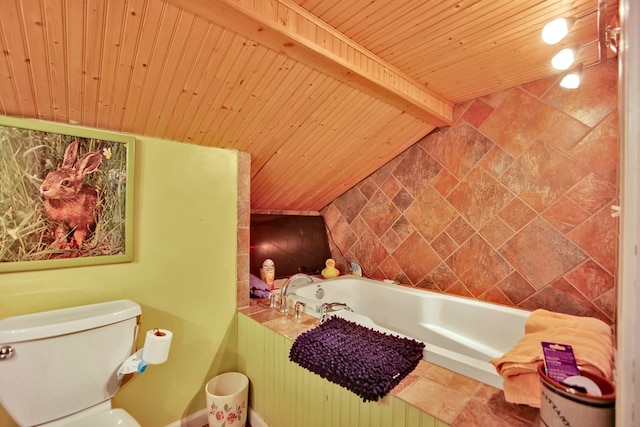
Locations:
{"points": [[97, 416]]}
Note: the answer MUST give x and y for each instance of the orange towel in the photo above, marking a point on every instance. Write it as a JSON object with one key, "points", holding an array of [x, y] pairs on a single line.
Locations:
{"points": [[591, 339]]}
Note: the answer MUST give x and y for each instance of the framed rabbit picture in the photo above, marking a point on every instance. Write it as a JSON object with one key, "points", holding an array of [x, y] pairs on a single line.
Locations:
{"points": [[66, 195]]}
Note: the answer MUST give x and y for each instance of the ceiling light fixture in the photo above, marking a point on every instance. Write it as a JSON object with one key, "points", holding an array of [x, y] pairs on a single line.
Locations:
{"points": [[553, 32], [556, 30], [564, 59], [571, 80]]}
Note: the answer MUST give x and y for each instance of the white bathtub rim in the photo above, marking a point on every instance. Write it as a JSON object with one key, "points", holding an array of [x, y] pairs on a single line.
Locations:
{"points": [[405, 290]]}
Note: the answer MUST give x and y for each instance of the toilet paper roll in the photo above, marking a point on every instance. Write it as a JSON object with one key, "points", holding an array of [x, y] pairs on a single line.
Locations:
{"points": [[156, 346]]}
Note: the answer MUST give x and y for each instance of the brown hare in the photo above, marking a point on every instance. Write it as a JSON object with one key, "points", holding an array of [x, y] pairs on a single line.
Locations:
{"points": [[68, 203]]}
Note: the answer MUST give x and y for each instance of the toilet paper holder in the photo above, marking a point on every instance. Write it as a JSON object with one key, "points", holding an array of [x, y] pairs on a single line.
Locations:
{"points": [[154, 352]]}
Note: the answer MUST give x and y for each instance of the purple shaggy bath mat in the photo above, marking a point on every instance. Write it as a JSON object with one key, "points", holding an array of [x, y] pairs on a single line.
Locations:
{"points": [[365, 361]]}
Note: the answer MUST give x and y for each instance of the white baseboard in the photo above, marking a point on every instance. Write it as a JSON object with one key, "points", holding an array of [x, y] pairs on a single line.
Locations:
{"points": [[199, 419], [256, 420]]}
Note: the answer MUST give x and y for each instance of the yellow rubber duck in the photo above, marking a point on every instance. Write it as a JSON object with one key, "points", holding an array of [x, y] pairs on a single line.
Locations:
{"points": [[330, 271]]}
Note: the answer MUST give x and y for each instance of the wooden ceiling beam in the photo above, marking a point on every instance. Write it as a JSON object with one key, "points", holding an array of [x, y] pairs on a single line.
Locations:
{"points": [[289, 29]]}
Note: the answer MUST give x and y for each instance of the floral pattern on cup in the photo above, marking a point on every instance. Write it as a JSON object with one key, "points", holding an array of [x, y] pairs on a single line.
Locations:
{"points": [[226, 415]]}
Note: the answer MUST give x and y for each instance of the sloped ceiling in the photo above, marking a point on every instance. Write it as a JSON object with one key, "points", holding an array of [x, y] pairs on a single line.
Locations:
{"points": [[321, 93]]}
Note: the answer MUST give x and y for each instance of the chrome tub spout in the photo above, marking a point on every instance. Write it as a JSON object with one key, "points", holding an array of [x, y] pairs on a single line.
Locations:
{"points": [[284, 292], [330, 307]]}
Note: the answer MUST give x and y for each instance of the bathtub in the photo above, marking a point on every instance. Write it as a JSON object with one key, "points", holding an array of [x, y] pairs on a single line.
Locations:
{"points": [[460, 334]]}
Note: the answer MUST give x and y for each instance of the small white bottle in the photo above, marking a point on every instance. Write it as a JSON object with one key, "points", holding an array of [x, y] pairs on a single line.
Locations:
{"points": [[268, 272]]}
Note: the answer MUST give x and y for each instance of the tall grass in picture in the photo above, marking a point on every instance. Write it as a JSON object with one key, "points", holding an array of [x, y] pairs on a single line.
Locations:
{"points": [[26, 234]]}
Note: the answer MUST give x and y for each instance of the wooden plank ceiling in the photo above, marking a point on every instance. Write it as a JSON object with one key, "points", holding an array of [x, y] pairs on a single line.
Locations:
{"points": [[320, 92]]}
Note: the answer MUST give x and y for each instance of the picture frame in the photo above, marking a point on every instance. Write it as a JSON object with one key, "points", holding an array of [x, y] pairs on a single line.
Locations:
{"points": [[66, 195]]}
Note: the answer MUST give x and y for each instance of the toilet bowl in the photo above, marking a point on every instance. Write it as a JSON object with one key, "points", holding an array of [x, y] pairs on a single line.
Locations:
{"points": [[59, 368], [101, 415]]}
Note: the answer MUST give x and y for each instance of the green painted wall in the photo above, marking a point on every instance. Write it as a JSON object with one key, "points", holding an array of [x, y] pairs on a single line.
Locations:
{"points": [[183, 275], [286, 395]]}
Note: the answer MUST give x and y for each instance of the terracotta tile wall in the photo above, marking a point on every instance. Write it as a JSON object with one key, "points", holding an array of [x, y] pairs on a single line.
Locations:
{"points": [[244, 218], [511, 204]]}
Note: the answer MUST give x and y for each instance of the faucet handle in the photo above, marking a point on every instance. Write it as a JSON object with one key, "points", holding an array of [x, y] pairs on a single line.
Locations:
{"points": [[274, 299], [299, 309]]}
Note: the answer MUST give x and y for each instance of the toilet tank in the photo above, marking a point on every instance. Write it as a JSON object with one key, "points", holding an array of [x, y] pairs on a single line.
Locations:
{"points": [[64, 361]]}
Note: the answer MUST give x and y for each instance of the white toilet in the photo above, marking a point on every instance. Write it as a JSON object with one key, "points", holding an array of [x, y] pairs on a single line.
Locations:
{"points": [[59, 368]]}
